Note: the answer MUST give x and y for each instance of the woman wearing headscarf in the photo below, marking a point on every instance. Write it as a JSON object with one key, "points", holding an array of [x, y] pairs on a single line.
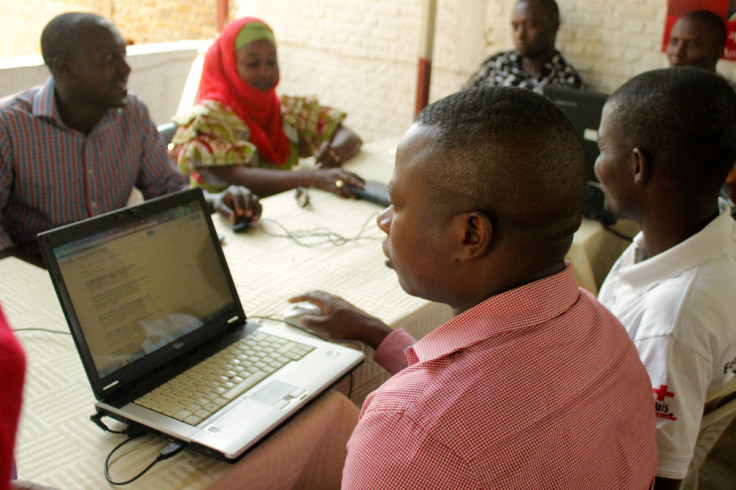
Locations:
{"points": [[241, 132]]}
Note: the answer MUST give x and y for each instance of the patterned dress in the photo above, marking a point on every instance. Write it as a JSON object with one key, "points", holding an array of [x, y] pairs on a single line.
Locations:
{"points": [[212, 134]]}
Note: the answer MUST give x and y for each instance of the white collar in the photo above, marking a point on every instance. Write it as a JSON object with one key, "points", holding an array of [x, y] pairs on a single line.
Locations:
{"points": [[714, 239]]}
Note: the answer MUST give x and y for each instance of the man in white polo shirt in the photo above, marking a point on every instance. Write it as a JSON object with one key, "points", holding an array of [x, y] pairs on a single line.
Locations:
{"points": [[668, 140]]}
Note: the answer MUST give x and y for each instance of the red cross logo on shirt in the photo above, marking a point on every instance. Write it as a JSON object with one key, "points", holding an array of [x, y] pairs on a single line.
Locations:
{"points": [[662, 392], [661, 407]]}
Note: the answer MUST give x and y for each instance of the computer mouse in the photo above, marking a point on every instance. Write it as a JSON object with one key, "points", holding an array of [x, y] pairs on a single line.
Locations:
{"points": [[373, 191], [241, 224], [298, 310]]}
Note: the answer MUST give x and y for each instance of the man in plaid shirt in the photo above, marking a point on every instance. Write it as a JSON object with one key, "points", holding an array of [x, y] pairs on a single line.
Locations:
{"points": [[78, 145]]}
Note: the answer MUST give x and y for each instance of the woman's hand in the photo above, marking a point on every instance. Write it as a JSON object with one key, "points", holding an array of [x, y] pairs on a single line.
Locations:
{"points": [[342, 320], [343, 146], [328, 156], [336, 181]]}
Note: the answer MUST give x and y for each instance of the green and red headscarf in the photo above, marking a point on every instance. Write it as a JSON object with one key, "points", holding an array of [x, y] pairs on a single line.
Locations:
{"points": [[260, 110]]}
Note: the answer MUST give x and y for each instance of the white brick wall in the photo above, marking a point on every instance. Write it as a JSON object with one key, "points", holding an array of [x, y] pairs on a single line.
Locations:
{"points": [[358, 56], [21, 32], [139, 21], [361, 56]]}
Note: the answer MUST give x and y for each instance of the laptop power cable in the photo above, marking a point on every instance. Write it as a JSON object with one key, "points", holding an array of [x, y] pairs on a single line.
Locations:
{"points": [[97, 420], [171, 449]]}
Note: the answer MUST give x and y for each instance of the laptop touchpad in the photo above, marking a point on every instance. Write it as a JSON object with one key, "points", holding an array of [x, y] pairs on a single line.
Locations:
{"points": [[277, 394]]}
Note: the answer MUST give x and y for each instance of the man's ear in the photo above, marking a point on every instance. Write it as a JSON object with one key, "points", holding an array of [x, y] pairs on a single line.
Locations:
{"points": [[641, 166], [555, 25], [476, 233], [60, 67]]}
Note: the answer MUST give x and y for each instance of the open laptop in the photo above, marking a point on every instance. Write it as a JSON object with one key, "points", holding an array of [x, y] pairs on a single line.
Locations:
{"points": [[583, 109], [148, 295]]}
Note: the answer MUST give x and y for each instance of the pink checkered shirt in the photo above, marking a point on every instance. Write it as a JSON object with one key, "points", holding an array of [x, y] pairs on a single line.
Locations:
{"points": [[51, 175], [538, 387]]}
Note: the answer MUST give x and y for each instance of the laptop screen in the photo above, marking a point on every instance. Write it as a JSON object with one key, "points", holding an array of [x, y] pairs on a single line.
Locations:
{"points": [[140, 282], [583, 108]]}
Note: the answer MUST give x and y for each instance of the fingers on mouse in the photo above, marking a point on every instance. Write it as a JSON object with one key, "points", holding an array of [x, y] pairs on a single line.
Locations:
{"points": [[298, 310], [241, 224]]}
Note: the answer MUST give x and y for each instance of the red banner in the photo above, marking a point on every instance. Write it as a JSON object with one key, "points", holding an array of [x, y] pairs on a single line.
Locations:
{"points": [[725, 8]]}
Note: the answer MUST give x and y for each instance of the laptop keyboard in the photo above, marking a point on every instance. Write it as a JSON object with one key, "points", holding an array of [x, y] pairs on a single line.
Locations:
{"points": [[198, 392]]}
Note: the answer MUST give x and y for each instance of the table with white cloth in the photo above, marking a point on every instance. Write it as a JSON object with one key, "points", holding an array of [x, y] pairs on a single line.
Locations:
{"points": [[333, 245]]}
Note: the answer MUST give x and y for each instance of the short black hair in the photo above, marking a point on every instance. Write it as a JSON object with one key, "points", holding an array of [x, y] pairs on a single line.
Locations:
{"points": [[512, 154], [683, 117], [715, 25], [60, 37], [549, 6]]}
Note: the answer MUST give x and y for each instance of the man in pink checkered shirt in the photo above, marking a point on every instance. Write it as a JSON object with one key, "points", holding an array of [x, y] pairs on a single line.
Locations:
{"points": [[532, 384]]}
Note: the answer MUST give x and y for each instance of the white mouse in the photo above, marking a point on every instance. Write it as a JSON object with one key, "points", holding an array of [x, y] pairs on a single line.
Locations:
{"points": [[298, 310]]}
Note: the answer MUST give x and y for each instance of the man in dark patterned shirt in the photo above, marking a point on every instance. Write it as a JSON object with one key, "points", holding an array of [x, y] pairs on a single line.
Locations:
{"points": [[535, 62]]}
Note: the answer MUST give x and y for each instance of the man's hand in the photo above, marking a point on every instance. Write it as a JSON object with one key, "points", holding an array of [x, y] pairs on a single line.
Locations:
{"points": [[237, 201], [342, 320]]}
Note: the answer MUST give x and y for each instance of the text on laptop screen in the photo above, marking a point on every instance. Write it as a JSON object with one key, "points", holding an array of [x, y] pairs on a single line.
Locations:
{"points": [[139, 288]]}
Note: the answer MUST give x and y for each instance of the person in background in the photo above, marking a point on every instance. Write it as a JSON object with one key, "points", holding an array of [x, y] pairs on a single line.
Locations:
{"points": [[78, 145], [698, 39], [668, 139], [535, 62], [241, 132], [533, 383]]}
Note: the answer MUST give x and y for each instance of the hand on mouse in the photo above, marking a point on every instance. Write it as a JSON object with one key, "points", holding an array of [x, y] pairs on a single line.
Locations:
{"points": [[342, 320], [237, 202], [241, 224]]}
